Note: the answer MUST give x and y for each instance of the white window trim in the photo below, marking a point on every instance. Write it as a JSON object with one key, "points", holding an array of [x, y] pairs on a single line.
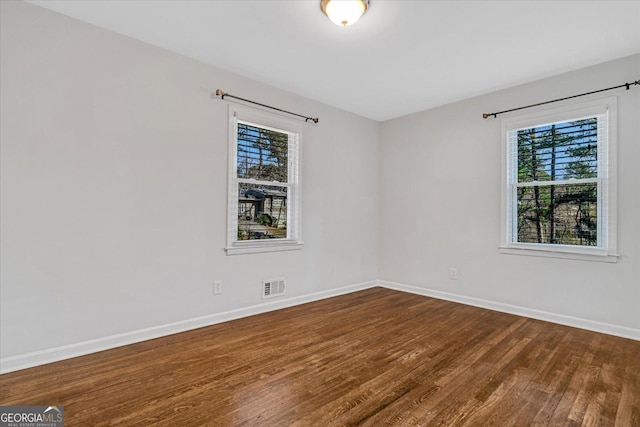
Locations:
{"points": [[569, 111], [267, 120]]}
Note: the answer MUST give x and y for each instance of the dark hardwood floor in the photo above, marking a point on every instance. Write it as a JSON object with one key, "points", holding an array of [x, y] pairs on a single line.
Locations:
{"points": [[372, 358]]}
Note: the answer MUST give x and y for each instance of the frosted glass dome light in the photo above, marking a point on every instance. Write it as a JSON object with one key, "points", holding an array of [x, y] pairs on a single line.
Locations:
{"points": [[344, 12]]}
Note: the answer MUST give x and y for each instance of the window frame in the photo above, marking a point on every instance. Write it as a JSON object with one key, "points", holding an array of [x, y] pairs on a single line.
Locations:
{"points": [[606, 251], [271, 121]]}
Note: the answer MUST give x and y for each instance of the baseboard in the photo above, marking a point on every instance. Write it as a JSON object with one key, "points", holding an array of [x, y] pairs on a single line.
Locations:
{"points": [[29, 360], [606, 328]]}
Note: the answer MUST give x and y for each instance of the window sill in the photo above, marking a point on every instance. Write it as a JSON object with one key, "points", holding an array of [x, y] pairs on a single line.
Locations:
{"points": [[550, 253], [261, 248]]}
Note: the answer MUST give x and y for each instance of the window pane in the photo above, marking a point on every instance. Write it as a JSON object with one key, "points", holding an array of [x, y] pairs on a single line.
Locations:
{"points": [[558, 214], [262, 212], [558, 151], [262, 153]]}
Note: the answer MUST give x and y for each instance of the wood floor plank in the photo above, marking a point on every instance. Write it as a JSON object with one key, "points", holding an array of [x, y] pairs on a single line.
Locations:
{"points": [[371, 358]]}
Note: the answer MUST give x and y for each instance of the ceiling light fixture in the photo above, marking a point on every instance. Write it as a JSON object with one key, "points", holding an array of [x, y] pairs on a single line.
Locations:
{"points": [[344, 12]]}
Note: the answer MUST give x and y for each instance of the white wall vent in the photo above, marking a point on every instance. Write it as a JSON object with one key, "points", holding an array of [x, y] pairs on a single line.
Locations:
{"points": [[272, 287]]}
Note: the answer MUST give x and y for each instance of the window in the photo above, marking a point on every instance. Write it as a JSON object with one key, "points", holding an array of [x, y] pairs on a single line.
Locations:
{"points": [[263, 204], [559, 182]]}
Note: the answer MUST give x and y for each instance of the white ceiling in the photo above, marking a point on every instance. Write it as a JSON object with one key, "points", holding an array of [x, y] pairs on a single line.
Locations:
{"points": [[401, 57]]}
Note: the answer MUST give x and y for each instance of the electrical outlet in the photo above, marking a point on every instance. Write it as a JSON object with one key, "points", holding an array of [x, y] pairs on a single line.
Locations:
{"points": [[453, 273], [217, 287]]}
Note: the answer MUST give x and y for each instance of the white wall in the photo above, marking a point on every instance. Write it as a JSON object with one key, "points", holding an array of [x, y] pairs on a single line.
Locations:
{"points": [[114, 181], [440, 174]]}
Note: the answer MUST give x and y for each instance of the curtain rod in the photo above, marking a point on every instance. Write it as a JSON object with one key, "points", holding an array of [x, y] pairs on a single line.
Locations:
{"points": [[222, 94], [627, 85]]}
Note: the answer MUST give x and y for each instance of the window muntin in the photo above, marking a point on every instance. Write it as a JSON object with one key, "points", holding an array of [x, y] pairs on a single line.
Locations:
{"points": [[559, 185], [263, 183]]}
